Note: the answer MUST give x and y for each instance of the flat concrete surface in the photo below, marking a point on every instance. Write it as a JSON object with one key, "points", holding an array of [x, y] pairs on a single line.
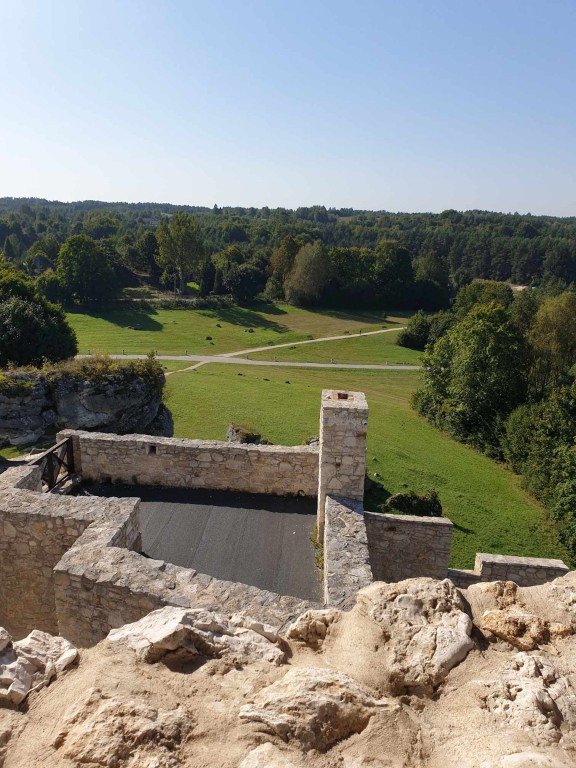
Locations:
{"points": [[254, 539]]}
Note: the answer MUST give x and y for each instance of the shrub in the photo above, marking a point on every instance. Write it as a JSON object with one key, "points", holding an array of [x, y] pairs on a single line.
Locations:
{"points": [[411, 503]]}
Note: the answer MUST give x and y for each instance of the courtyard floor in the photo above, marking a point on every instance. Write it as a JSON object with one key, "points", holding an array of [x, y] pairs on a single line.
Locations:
{"points": [[254, 539]]}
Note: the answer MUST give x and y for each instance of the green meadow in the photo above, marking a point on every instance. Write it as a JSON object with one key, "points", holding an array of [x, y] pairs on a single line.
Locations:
{"points": [[490, 511], [139, 329], [377, 348]]}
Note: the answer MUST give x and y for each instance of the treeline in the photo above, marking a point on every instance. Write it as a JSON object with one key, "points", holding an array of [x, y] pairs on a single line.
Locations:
{"points": [[500, 374], [247, 251]]}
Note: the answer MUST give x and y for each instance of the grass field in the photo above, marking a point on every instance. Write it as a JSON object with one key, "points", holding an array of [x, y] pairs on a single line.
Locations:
{"points": [[485, 501], [379, 348], [137, 330]]}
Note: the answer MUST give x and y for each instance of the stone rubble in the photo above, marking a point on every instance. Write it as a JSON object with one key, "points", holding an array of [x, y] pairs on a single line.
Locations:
{"points": [[310, 628], [30, 664], [198, 632]]}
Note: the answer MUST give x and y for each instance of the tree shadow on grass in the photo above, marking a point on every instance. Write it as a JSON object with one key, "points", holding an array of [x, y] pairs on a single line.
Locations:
{"points": [[248, 318], [369, 316], [138, 318]]}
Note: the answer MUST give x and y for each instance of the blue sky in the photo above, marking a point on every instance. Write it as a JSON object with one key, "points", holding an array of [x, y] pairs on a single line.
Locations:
{"points": [[411, 105]]}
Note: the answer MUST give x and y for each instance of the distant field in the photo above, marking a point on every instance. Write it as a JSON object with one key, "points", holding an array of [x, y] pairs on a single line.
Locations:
{"points": [[379, 348], [136, 330], [490, 511]]}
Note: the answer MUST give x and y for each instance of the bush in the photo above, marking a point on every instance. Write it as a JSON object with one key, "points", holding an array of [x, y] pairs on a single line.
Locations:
{"points": [[415, 335], [422, 329], [412, 503]]}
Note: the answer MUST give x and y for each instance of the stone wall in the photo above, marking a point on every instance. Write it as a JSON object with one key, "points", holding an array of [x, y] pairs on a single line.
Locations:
{"points": [[71, 565], [525, 571], [35, 531], [21, 476], [145, 460], [342, 459], [346, 558], [406, 546]]}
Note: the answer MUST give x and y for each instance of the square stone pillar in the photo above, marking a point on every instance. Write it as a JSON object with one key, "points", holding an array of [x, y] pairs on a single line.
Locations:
{"points": [[342, 460]]}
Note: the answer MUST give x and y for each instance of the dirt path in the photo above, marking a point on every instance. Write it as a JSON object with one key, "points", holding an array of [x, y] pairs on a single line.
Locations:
{"points": [[233, 357]]}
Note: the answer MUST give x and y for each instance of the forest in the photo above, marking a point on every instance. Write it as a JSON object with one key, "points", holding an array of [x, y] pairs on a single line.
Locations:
{"points": [[499, 373], [90, 251]]}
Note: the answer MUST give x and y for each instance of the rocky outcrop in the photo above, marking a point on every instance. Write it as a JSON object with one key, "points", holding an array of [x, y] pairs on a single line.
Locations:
{"points": [[31, 663], [504, 611], [235, 433], [521, 629], [118, 401], [527, 760], [310, 628], [314, 707], [389, 684], [26, 409], [402, 637], [192, 632], [534, 697], [117, 732]]}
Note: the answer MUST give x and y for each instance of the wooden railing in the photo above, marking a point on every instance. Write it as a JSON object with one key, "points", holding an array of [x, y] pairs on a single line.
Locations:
{"points": [[56, 464]]}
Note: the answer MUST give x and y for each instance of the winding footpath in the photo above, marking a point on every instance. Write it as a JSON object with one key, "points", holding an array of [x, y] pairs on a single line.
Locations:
{"points": [[237, 359]]}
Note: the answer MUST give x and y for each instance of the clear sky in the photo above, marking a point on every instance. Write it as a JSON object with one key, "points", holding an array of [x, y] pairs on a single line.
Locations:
{"points": [[403, 105]]}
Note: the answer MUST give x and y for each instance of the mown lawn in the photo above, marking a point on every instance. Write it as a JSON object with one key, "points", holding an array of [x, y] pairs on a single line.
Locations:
{"points": [[378, 348], [490, 511], [140, 329]]}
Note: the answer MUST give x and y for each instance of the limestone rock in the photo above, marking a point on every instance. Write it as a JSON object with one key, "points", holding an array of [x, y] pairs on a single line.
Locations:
{"points": [[521, 629], [121, 733], [114, 404], [4, 638], [25, 409], [31, 663], [315, 707], [236, 433], [32, 401], [310, 628], [535, 698], [527, 760], [402, 637], [197, 632], [269, 756]]}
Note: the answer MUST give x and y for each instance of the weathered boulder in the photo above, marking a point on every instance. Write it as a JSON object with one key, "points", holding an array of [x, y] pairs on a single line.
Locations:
{"points": [[402, 637], [310, 628], [235, 433], [115, 732], [526, 617], [314, 707], [31, 663], [269, 756], [532, 696], [198, 632], [521, 629]]}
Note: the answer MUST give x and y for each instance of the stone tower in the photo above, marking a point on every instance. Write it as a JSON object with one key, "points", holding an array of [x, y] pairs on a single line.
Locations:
{"points": [[343, 424]]}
